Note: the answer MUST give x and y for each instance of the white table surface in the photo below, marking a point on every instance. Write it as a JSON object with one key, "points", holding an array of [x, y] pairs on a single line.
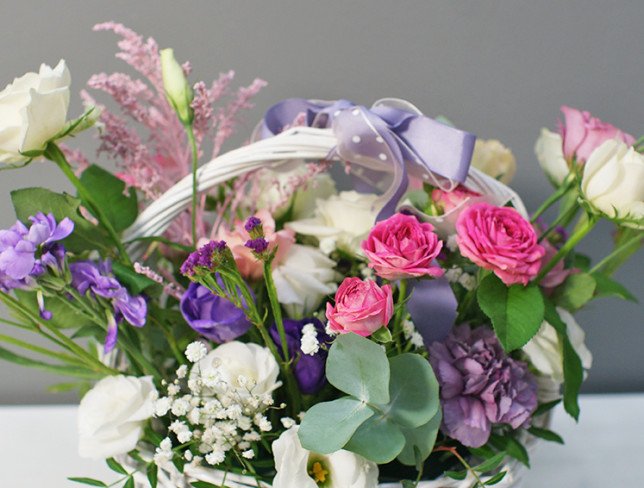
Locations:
{"points": [[606, 449]]}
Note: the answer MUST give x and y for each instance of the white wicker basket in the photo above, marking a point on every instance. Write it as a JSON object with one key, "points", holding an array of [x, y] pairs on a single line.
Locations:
{"points": [[299, 143]]}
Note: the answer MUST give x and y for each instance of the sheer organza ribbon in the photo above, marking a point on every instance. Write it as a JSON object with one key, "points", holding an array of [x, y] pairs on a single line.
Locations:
{"points": [[391, 138]]}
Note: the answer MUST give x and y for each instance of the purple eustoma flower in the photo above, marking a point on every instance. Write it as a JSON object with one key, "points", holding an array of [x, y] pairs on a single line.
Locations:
{"points": [[212, 316], [96, 279], [480, 385], [308, 369]]}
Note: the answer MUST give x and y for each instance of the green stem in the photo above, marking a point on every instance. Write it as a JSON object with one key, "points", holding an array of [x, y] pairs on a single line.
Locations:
{"points": [[561, 219], [400, 312], [585, 225], [465, 464], [626, 247], [195, 159], [167, 333], [552, 199], [41, 350], [53, 153]]}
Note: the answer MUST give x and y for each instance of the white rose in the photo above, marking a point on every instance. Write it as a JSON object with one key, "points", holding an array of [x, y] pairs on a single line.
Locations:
{"points": [[304, 277], [276, 190], [613, 182], [111, 415], [344, 219], [494, 159], [33, 109], [234, 359], [545, 351], [549, 151], [298, 468]]}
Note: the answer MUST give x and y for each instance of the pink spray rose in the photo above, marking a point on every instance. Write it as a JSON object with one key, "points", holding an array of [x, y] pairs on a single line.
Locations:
{"points": [[500, 239], [447, 201], [361, 307], [249, 266], [582, 133], [402, 247]]}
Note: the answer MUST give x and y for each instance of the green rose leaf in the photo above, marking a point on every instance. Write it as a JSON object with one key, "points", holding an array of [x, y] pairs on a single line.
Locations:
{"points": [[108, 191], [607, 287], [378, 439], [328, 426], [413, 391], [420, 439], [575, 292], [359, 367], [516, 311], [573, 370], [134, 281]]}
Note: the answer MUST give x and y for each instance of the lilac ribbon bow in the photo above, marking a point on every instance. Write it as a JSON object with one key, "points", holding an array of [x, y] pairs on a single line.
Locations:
{"points": [[385, 139]]}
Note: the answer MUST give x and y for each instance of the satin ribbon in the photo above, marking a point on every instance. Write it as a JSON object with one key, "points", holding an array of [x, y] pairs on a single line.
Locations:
{"points": [[389, 138]]}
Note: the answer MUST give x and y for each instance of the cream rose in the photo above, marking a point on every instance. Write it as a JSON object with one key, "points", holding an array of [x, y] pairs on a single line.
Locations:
{"points": [[33, 109], [545, 350], [494, 159], [549, 152], [298, 468], [111, 415], [613, 182], [303, 279], [341, 221]]}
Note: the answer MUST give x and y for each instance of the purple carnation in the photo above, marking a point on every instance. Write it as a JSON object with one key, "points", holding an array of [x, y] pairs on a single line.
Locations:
{"points": [[96, 279], [308, 369], [212, 316], [26, 253], [480, 385]]}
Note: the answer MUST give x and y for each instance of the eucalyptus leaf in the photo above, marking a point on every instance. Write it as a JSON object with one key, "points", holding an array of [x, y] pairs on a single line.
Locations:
{"points": [[328, 426], [516, 311], [378, 440], [359, 367], [420, 440]]}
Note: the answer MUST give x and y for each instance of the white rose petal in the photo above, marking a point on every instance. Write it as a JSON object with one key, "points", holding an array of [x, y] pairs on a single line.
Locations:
{"points": [[549, 152], [33, 109], [613, 182], [111, 415], [494, 159], [342, 469]]}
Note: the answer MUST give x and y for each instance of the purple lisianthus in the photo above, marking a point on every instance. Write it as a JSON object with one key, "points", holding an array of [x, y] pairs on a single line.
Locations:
{"points": [[212, 316], [309, 368], [27, 252], [96, 279], [480, 385]]}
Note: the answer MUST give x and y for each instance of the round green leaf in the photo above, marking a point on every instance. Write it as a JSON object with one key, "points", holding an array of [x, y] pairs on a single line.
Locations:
{"points": [[378, 440], [420, 439]]}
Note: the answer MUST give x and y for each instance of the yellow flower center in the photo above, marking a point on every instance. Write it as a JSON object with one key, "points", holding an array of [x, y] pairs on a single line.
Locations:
{"points": [[318, 473]]}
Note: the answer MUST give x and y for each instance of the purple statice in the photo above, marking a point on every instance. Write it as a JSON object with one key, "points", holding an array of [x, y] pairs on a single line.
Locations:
{"points": [[27, 252], [258, 246], [96, 280], [214, 317], [252, 224], [308, 368], [207, 257], [480, 385]]}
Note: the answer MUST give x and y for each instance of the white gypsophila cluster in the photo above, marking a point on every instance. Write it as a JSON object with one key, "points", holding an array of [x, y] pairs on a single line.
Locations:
{"points": [[452, 243], [367, 273], [309, 343], [196, 351], [211, 418], [411, 334], [457, 275], [453, 274]]}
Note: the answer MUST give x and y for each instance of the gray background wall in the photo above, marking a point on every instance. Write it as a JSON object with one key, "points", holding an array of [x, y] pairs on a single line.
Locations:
{"points": [[497, 68]]}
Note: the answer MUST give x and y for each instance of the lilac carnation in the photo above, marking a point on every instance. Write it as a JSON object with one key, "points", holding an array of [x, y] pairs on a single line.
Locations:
{"points": [[96, 279], [26, 253], [480, 385], [212, 316], [309, 369]]}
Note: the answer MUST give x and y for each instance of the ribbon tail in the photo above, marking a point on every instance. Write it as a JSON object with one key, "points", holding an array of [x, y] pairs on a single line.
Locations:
{"points": [[432, 307]]}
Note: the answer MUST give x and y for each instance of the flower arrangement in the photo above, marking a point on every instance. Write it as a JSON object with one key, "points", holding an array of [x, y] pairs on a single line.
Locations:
{"points": [[253, 326]]}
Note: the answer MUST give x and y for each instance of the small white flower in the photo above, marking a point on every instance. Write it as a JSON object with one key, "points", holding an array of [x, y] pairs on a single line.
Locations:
{"points": [[196, 351], [166, 444], [368, 273], [215, 458], [452, 243], [453, 274], [182, 371], [249, 454], [287, 422], [188, 456], [173, 390], [162, 406], [309, 343], [194, 416], [252, 436], [417, 340], [180, 407], [184, 436], [468, 281], [263, 423]]}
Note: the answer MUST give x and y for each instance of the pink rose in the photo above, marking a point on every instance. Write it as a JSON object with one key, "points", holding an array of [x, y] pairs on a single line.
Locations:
{"points": [[582, 133], [402, 247], [361, 307], [450, 200], [249, 266], [500, 239]]}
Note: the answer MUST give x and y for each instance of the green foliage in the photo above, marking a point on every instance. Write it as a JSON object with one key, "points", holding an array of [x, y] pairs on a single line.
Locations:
{"points": [[135, 282], [115, 466], [546, 434], [30, 201], [108, 192], [511, 446], [607, 287], [88, 481], [152, 473], [545, 407], [575, 292], [516, 311], [402, 420], [76, 371], [129, 483], [203, 484], [382, 335], [572, 367], [65, 316], [497, 478]]}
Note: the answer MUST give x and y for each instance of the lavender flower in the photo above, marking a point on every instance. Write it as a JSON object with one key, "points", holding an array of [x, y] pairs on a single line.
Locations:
{"points": [[309, 368], [26, 253], [207, 257], [96, 280], [212, 316], [480, 385]]}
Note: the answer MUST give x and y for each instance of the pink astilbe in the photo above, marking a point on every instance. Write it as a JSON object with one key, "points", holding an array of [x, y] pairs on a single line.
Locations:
{"points": [[153, 162]]}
